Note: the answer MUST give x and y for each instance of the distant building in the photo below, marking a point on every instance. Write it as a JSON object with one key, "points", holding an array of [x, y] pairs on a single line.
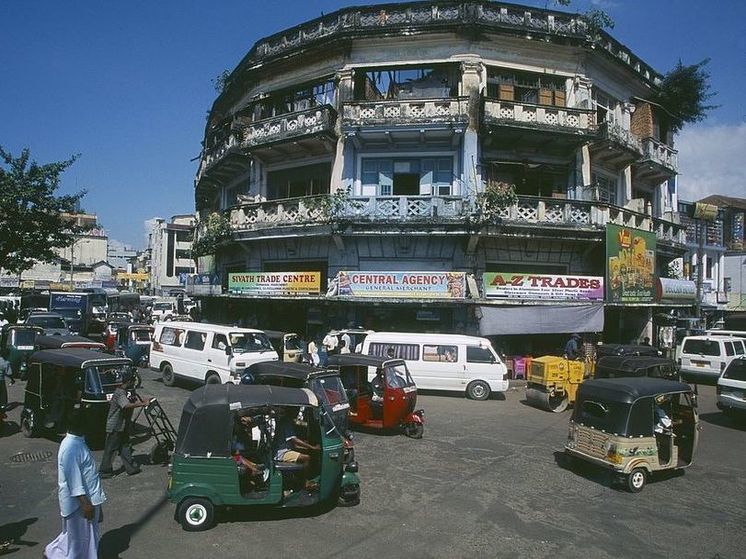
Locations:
{"points": [[170, 246], [120, 257]]}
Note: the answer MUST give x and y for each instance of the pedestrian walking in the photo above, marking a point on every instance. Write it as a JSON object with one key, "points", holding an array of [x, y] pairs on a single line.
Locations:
{"points": [[313, 352], [118, 426], [5, 371], [80, 496]]}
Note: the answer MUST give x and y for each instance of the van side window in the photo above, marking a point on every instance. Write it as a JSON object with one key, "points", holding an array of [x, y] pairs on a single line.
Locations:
{"points": [[476, 354], [443, 353], [170, 336], [195, 340], [738, 345], [219, 341], [728, 348], [408, 352]]}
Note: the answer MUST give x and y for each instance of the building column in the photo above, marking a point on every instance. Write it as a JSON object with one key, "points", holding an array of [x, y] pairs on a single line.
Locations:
{"points": [[583, 174], [340, 179], [472, 78], [624, 194]]}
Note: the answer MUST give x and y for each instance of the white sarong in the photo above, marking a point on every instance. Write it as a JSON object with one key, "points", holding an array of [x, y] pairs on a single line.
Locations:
{"points": [[79, 538]]}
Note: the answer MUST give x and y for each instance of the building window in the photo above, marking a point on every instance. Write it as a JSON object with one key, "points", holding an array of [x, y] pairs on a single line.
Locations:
{"points": [[184, 236], [407, 176], [605, 107], [525, 87], [182, 254], [432, 82], [604, 188], [286, 101], [308, 180]]}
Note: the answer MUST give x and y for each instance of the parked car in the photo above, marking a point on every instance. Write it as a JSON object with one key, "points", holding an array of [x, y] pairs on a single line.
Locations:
{"points": [[702, 359], [53, 324], [731, 388]]}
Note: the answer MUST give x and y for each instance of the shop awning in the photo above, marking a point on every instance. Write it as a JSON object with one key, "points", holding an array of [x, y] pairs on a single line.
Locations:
{"points": [[543, 319]]}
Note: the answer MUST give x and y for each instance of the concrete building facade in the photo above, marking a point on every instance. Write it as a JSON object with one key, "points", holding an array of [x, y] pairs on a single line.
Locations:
{"points": [[365, 140], [169, 247]]}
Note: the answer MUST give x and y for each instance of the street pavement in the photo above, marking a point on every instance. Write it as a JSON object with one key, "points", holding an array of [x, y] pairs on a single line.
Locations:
{"points": [[484, 481]]}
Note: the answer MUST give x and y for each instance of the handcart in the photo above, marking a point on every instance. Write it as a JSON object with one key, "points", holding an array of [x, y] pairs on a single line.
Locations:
{"points": [[162, 431]]}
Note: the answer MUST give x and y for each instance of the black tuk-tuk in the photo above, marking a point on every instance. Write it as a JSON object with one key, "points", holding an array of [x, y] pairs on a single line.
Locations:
{"points": [[634, 427], [17, 343], [60, 378], [614, 366], [382, 393], [627, 349], [68, 342], [206, 468]]}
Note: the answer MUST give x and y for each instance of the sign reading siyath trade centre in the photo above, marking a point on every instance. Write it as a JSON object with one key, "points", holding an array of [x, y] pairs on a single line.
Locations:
{"points": [[498, 285], [275, 283]]}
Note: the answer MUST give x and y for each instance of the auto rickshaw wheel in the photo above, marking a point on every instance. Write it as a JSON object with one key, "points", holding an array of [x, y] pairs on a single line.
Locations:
{"points": [[28, 424], [478, 390], [636, 480], [196, 514], [212, 378], [167, 372], [414, 430]]}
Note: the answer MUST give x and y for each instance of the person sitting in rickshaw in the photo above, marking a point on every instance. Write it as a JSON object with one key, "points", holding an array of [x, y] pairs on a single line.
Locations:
{"points": [[663, 427], [241, 449], [376, 400], [290, 447]]}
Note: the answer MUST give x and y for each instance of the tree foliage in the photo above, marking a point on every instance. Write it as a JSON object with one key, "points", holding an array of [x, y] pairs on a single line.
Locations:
{"points": [[684, 93], [215, 233], [33, 227], [497, 195]]}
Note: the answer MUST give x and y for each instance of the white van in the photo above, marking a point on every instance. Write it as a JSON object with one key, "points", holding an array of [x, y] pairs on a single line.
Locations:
{"points": [[164, 308], [731, 388], [207, 352], [444, 361], [703, 358]]}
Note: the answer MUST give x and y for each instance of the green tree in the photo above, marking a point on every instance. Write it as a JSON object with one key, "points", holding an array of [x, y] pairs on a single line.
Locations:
{"points": [[210, 236], [684, 92], [31, 215]]}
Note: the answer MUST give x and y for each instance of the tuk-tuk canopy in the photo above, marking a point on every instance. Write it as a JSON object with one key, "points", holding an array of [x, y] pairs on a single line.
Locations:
{"points": [[206, 422], [57, 342], [297, 371], [361, 360], [627, 349], [630, 364], [628, 390], [76, 358]]}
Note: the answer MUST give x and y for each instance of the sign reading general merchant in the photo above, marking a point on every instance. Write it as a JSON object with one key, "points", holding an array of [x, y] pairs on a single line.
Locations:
{"points": [[543, 287], [630, 265], [431, 285], [275, 283]]}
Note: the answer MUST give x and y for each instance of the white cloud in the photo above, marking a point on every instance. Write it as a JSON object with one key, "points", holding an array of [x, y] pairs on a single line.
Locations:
{"points": [[712, 160]]}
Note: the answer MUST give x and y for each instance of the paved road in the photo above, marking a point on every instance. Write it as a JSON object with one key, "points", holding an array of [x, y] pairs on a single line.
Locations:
{"points": [[483, 480]]}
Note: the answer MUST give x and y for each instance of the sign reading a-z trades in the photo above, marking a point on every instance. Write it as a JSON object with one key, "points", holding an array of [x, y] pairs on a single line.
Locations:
{"points": [[498, 285], [275, 283]]}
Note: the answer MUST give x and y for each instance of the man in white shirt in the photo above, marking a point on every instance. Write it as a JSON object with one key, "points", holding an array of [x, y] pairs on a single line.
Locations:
{"points": [[330, 342], [80, 496], [346, 343]]}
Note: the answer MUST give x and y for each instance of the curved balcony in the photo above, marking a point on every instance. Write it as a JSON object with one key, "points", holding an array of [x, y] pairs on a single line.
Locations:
{"points": [[662, 156], [528, 115], [403, 112]]}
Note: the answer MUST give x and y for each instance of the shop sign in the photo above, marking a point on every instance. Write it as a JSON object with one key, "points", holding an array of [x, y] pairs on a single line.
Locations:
{"points": [[630, 265], [677, 290], [543, 287], [27, 284], [203, 284], [431, 285], [133, 276], [9, 282], [275, 283]]}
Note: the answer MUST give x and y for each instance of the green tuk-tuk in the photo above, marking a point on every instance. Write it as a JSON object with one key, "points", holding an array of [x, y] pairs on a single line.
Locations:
{"points": [[206, 474], [17, 342]]}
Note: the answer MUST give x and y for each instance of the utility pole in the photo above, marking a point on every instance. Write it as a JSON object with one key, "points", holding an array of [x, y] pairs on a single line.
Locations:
{"points": [[72, 258]]}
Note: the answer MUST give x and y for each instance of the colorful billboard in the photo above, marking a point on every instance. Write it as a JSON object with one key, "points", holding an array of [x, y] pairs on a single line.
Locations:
{"points": [[498, 285], [630, 265], [430, 285], [275, 283]]}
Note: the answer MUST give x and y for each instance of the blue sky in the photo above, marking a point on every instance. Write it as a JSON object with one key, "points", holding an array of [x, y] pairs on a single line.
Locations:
{"points": [[127, 85]]}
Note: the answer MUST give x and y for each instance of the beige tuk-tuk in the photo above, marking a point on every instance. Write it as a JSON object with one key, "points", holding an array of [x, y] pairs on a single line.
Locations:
{"points": [[634, 427]]}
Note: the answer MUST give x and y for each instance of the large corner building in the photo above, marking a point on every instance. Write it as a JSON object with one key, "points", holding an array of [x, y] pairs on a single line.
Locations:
{"points": [[360, 141]]}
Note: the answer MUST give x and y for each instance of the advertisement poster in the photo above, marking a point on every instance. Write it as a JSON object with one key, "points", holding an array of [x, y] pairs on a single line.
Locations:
{"points": [[431, 285], [630, 265], [499, 285], [275, 283]]}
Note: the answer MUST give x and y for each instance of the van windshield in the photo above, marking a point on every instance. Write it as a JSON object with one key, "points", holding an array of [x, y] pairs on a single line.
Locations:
{"points": [[163, 306], [247, 342]]}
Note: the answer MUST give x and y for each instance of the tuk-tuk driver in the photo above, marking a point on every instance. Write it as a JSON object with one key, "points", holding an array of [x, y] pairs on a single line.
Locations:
{"points": [[290, 447]]}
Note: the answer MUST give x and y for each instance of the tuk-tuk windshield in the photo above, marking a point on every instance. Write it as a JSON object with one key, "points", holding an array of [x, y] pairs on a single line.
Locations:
{"points": [[141, 335], [23, 338], [47, 321], [247, 342], [107, 375], [331, 391], [398, 376]]}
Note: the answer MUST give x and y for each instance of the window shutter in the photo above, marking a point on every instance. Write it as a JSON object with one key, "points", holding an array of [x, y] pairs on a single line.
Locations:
{"points": [[505, 92], [545, 97], [559, 98]]}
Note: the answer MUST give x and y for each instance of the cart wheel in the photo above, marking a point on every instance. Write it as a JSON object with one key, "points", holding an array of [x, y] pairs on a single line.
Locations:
{"points": [[414, 430], [196, 514], [28, 423], [478, 390], [168, 375], [636, 480], [158, 454]]}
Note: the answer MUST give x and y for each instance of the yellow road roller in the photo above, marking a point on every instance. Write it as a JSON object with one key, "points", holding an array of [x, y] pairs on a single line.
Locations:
{"points": [[553, 381]]}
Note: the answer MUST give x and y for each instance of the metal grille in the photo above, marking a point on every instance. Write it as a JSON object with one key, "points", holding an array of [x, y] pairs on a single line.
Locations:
{"points": [[592, 443], [24, 457]]}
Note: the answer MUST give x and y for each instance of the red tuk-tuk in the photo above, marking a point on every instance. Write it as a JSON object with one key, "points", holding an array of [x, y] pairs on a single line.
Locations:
{"points": [[381, 393]]}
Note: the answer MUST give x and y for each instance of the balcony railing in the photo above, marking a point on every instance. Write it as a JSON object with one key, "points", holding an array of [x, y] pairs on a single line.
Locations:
{"points": [[355, 22], [406, 111], [529, 210], [660, 153], [576, 120], [218, 152], [288, 126], [621, 136]]}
